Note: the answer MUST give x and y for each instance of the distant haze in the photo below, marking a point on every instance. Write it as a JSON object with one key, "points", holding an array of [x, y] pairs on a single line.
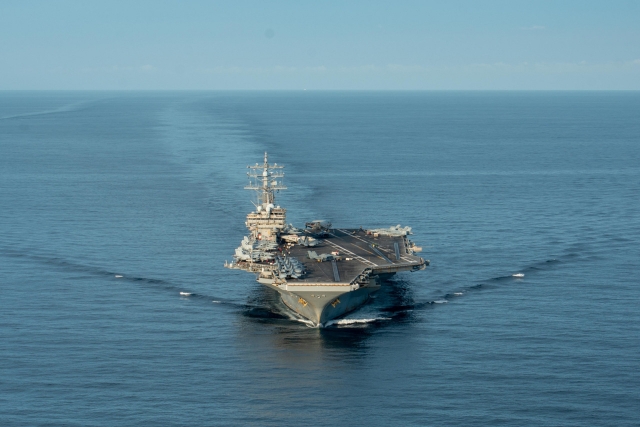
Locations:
{"points": [[318, 45]]}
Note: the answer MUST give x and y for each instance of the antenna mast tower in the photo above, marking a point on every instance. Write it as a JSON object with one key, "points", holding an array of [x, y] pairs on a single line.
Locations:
{"points": [[264, 180]]}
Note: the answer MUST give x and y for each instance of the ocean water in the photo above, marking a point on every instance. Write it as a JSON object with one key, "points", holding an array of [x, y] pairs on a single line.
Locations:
{"points": [[149, 186]]}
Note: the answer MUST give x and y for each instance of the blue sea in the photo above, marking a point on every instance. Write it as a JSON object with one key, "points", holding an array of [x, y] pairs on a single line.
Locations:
{"points": [[149, 186]]}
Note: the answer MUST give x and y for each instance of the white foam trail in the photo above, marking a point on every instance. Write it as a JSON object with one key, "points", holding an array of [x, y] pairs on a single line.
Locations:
{"points": [[518, 275], [118, 276], [291, 316], [185, 294], [441, 301], [216, 302], [63, 109], [354, 321], [309, 323], [458, 293]]}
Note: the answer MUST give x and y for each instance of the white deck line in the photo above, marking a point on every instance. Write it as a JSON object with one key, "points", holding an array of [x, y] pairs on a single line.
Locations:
{"points": [[355, 237], [410, 261], [349, 252], [364, 241]]}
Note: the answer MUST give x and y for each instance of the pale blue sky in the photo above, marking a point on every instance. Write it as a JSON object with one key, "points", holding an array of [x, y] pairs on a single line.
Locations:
{"points": [[320, 44]]}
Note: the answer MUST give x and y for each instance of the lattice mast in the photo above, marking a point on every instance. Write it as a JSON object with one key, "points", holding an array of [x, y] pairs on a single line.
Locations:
{"points": [[268, 220], [264, 180]]}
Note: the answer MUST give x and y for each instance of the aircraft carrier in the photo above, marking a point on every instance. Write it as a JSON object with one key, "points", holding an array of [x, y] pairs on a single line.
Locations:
{"points": [[321, 272]]}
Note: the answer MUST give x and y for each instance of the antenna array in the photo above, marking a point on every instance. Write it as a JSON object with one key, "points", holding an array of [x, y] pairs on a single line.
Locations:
{"points": [[264, 179]]}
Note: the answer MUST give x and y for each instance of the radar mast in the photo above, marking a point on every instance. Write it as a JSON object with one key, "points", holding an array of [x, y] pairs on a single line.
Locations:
{"points": [[264, 180]]}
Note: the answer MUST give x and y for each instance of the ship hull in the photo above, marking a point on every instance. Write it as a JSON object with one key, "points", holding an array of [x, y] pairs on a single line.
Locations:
{"points": [[323, 304]]}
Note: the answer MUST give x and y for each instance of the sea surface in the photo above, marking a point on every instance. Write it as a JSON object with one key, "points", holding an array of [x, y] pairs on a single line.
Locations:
{"points": [[116, 205]]}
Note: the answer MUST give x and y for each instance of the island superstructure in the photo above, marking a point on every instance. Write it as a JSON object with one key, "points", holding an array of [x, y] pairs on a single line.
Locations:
{"points": [[321, 272]]}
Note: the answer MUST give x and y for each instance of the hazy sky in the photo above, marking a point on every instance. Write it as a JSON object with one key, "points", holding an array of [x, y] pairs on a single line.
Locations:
{"points": [[318, 44]]}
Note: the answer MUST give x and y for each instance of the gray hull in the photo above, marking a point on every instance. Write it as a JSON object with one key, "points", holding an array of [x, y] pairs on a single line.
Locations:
{"points": [[323, 304]]}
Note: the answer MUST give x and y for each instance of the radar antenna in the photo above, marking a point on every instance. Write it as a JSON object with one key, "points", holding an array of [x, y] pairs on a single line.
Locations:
{"points": [[264, 180]]}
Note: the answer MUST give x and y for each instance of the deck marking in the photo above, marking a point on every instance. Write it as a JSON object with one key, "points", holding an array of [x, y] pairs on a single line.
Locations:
{"points": [[352, 235], [349, 252], [368, 243], [381, 254], [336, 275], [410, 261], [353, 244]]}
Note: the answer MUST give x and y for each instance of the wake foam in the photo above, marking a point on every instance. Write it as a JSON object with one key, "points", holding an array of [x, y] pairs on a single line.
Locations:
{"points": [[67, 108], [307, 322], [347, 322]]}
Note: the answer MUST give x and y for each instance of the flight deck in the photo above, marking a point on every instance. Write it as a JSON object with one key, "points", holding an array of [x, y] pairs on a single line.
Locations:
{"points": [[353, 251]]}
